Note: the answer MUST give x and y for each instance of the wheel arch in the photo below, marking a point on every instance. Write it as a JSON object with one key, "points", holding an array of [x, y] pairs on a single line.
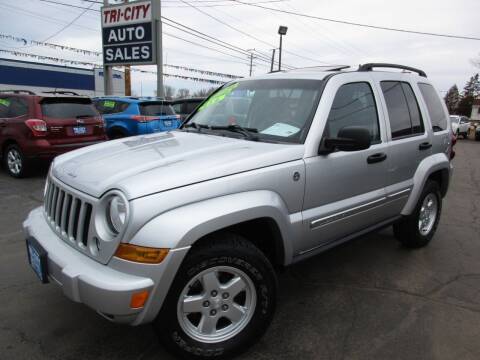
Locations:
{"points": [[435, 167]]}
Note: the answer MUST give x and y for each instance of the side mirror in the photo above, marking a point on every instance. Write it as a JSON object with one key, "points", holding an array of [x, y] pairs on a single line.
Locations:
{"points": [[350, 138]]}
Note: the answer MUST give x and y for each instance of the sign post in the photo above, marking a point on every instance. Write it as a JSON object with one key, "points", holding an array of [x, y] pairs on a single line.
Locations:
{"points": [[131, 35]]}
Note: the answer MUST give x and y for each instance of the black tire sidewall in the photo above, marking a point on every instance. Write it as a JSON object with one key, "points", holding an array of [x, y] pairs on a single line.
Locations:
{"points": [[252, 263]]}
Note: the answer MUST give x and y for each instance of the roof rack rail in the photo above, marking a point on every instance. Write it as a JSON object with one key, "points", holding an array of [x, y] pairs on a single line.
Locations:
{"points": [[18, 91], [370, 66], [322, 68], [61, 92]]}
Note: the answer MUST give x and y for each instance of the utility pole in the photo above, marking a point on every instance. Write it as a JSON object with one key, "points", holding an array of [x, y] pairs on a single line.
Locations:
{"points": [[158, 23], [128, 79], [273, 59], [107, 72], [251, 60]]}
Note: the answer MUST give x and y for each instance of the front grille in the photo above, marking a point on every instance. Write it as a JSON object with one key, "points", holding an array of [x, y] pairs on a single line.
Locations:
{"points": [[68, 214]]}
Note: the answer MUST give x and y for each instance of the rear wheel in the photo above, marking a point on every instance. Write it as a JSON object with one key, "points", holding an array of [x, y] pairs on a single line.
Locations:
{"points": [[116, 134], [417, 229], [14, 161], [221, 302]]}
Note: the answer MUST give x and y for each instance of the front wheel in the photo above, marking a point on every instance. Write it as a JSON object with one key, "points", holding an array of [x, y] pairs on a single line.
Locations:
{"points": [[221, 302], [417, 229]]}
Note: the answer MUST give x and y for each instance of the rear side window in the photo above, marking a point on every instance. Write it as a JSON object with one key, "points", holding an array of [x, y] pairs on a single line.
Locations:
{"points": [[13, 107], [434, 106], [67, 108], [403, 110], [177, 108], [354, 105], [156, 109]]}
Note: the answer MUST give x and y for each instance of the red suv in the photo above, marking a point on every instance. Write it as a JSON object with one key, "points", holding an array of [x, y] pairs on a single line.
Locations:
{"points": [[43, 126]]}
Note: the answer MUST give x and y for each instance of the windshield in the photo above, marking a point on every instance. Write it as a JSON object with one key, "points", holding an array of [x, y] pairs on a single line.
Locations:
{"points": [[67, 109], [276, 109], [156, 109]]}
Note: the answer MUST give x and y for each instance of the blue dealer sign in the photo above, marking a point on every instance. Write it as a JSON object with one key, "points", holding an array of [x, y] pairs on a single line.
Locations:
{"points": [[128, 34]]}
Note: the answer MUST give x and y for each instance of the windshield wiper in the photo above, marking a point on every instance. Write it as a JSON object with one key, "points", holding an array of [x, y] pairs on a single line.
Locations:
{"points": [[246, 132], [196, 126]]}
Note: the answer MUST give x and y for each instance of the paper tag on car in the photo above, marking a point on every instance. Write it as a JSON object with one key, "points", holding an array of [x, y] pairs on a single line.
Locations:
{"points": [[280, 129]]}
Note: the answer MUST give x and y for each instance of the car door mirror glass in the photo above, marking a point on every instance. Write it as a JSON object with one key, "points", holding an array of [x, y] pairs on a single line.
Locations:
{"points": [[349, 138]]}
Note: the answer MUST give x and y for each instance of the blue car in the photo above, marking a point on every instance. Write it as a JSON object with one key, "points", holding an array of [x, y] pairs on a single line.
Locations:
{"points": [[128, 115]]}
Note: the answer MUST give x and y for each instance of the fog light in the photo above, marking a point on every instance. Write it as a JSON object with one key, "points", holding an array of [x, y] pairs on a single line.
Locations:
{"points": [[139, 299], [141, 254]]}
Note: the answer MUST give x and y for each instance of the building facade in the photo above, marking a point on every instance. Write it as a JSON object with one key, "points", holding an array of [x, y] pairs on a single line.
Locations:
{"points": [[38, 77]]}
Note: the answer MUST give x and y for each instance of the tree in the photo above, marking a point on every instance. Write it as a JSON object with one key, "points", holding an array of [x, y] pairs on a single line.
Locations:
{"points": [[169, 92], [452, 98], [203, 92], [470, 92], [183, 93]]}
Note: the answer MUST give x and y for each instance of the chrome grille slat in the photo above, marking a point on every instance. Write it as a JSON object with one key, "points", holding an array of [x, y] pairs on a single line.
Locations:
{"points": [[69, 215], [81, 224]]}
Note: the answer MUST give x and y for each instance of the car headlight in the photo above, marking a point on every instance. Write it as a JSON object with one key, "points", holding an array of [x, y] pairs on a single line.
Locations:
{"points": [[116, 213]]}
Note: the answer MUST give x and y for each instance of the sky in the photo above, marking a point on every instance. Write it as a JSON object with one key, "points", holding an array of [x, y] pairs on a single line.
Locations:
{"points": [[308, 42]]}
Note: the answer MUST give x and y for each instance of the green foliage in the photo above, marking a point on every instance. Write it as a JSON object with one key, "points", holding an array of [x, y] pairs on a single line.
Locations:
{"points": [[463, 106]]}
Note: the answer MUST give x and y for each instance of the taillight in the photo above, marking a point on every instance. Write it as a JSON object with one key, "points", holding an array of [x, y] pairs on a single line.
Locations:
{"points": [[38, 127], [452, 152], [143, 118]]}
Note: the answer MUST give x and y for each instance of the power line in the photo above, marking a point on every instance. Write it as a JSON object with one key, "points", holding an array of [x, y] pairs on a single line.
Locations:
{"points": [[245, 33], [358, 24], [208, 38]]}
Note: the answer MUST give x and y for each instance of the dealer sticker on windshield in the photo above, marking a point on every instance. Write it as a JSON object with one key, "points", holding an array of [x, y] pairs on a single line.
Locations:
{"points": [[281, 129]]}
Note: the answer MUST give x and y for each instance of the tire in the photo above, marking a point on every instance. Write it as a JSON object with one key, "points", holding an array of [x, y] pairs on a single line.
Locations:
{"points": [[409, 231], [116, 134], [225, 255], [14, 162]]}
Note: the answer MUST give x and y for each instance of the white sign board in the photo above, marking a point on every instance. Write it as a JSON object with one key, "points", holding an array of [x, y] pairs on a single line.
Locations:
{"points": [[128, 33]]}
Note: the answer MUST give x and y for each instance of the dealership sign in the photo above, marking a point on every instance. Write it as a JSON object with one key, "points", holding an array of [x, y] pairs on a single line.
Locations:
{"points": [[128, 34]]}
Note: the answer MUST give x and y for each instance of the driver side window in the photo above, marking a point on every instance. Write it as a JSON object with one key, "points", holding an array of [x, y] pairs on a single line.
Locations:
{"points": [[354, 105]]}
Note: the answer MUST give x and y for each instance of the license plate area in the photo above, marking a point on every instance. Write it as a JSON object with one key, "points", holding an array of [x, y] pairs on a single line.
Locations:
{"points": [[79, 130], [37, 258], [167, 123]]}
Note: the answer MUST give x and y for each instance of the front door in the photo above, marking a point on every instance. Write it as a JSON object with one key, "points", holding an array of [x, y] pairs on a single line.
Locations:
{"points": [[345, 190]]}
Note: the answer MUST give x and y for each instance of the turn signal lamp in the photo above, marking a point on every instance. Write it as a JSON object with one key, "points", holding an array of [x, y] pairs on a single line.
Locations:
{"points": [[141, 254], [138, 299]]}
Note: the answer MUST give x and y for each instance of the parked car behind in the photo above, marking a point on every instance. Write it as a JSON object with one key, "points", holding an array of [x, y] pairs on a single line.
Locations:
{"points": [[185, 107], [127, 116], [43, 126], [460, 125]]}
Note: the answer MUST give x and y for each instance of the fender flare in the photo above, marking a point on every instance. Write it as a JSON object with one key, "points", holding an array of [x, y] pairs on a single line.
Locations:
{"points": [[427, 167], [183, 226]]}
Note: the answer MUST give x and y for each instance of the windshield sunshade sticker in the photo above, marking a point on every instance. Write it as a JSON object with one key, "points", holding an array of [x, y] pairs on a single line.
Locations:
{"points": [[5, 102], [218, 97], [109, 104], [281, 129]]}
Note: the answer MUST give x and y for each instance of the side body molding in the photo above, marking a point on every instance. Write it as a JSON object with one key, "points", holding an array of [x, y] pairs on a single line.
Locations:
{"points": [[426, 167], [183, 226]]}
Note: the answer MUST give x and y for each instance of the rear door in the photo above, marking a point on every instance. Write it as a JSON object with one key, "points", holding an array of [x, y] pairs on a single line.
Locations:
{"points": [[409, 138], [71, 120]]}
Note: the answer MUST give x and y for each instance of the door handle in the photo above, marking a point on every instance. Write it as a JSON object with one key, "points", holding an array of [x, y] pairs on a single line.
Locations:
{"points": [[424, 146], [375, 158]]}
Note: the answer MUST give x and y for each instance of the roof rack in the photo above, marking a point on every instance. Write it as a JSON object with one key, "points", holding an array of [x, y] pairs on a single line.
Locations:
{"points": [[61, 92], [17, 91], [370, 66], [322, 68]]}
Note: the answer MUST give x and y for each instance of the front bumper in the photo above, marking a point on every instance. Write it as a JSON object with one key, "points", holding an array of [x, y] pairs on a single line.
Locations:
{"points": [[107, 289]]}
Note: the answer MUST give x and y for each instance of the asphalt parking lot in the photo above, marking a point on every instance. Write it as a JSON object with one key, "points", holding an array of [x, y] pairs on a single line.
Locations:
{"points": [[368, 299]]}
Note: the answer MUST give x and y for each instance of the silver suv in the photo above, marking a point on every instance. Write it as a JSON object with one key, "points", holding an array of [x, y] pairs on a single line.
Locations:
{"points": [[184, 229]]}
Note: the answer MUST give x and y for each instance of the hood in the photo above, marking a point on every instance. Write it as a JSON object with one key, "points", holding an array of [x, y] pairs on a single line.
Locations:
{"points": [[143, 165]]}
